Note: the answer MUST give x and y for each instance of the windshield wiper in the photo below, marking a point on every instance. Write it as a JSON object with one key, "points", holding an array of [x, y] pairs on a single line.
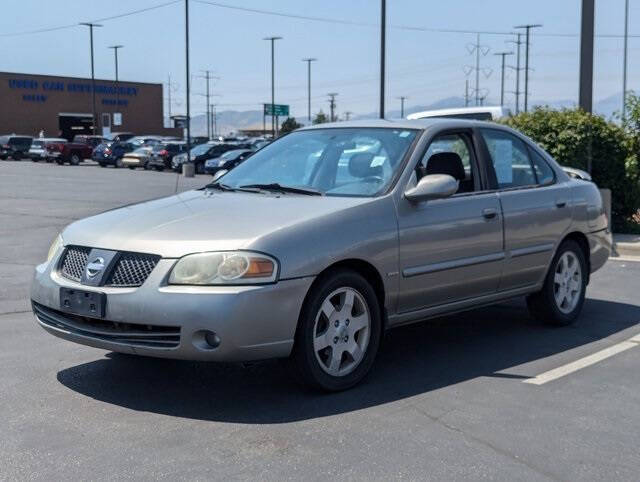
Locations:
{"points": [[220, 186], [274, 186]]}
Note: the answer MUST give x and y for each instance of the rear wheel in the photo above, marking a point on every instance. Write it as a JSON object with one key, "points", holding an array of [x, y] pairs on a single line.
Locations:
{"points": [[102, 164], [75, 159], [562, 296], [118, 163], [338, 332], [131, 167], [60, 162]]}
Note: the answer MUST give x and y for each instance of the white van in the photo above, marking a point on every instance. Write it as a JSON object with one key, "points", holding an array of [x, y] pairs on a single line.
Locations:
{"points": [[476, 113]]}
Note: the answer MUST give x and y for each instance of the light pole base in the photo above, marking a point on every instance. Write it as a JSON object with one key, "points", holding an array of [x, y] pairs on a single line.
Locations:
{"points": [[188, 169]]}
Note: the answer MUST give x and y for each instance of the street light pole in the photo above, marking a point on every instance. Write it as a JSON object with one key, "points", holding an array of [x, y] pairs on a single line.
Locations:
{"points": [[624, 67], [93, 79], [503, 55], [308, 61], [586, 55], [115, 51], [383, 29], [526, 62], [187, 74], [273, 89]]}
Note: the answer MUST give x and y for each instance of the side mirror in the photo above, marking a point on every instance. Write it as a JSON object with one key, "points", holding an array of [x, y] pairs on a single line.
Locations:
{"points": [[219, 174], [433, 186]]}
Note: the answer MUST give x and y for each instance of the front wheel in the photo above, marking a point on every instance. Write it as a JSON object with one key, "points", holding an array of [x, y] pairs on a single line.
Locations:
{"points": [[562, 296], [75, 160], [338, 332], [118, 163]]}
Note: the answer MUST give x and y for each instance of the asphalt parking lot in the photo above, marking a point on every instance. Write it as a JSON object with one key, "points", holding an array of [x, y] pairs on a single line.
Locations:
{"points": [[448, 399]]}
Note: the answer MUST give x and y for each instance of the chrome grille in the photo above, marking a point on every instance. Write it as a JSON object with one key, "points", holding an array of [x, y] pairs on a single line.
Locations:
{"points": [[74, 262], [132, 269]]}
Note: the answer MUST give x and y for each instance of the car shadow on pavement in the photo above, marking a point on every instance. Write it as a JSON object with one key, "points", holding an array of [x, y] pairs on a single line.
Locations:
{"points": [[413, 360]]}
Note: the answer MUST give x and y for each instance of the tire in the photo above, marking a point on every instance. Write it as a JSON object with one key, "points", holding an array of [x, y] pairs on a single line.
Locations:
{"points": [[74, 160], [560, 301], [118, 163], [133, 168], [60, 162], [159, 168], [102, 164], [199, 168], [333, 351]]}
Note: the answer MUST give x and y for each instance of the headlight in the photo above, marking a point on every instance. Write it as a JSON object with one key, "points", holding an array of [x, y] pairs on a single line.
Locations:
{"points": [[221, 163], [57, 244], [224, 268]]}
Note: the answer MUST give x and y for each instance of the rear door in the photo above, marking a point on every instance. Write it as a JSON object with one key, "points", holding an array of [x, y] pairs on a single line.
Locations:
{"points": [[536, 208]]}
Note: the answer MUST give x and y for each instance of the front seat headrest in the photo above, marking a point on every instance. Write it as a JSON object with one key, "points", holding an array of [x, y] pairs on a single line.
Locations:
{"points": [[360, 165], [446, 163]]}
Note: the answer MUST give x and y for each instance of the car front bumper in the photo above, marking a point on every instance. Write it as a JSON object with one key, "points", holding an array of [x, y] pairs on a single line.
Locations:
{"points": [[251, 322]]}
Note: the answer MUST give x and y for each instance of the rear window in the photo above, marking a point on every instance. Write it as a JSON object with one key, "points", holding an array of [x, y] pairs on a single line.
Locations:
{"points": [[20, 141]]}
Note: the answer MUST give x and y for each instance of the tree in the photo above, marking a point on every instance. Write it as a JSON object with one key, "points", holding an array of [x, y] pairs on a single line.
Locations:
{"points": [[320, 118], [290, 124]]}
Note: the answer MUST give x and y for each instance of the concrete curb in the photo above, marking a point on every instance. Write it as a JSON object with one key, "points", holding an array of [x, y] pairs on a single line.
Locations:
{"points": [[626, 245]]}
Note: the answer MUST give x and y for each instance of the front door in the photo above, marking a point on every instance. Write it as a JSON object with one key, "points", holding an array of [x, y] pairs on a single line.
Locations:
{"points": [[450, 249]]}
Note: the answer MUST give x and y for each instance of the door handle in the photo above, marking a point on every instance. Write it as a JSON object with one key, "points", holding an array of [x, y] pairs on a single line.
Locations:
{"points": [[489, 213], [560, 203]]}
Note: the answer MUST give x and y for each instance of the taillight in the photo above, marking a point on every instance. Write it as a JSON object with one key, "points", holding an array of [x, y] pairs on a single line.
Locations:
{"points": [[5, 146], [107, 151], [164, 152]]}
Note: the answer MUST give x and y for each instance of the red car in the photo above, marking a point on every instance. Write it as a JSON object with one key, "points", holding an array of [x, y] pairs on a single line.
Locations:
{"points": [[72, 152]]}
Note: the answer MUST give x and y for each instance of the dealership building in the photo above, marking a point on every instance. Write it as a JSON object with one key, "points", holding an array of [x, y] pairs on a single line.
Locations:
{"points": [[62, 106]]}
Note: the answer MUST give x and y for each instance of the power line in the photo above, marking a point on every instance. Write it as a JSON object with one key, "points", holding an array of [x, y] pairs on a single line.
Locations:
{"points": [[104, 19]]}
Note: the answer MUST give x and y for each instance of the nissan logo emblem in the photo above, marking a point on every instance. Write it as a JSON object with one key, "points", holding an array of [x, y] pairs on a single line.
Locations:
{"points": [[94, 267]]}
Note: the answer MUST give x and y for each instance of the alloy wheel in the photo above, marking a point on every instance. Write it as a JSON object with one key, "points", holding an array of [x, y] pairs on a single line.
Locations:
{"points": [[567, 282], [341, 331]]}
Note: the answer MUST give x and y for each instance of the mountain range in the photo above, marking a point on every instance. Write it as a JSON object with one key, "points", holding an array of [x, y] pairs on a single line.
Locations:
{"points": [[232, 120]]}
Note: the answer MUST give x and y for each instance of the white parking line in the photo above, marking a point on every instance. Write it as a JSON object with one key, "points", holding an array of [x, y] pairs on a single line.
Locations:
{"points": [[584, 362]]}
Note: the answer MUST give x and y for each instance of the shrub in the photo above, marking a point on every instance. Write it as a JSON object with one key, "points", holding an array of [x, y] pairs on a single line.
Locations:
{"points": [[572, 136]]}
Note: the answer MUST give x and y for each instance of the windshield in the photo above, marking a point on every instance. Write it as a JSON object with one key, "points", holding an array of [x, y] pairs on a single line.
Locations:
{"points": [[200, 149], [338, 162], [36, 144]]}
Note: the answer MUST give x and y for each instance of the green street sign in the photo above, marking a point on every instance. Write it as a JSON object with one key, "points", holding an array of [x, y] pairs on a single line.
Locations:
{"points": [[276, 109]]}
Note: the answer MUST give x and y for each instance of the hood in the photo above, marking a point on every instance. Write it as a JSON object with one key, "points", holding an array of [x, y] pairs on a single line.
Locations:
{"points": [[197, 221]]}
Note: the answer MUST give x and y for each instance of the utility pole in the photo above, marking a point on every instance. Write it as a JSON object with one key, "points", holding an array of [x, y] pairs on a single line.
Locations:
{"points": [[115, 51], [402, 99], [586, 55], [208, 77], [332, 105], [527, 28], [479, 51], [503, 55], [214, 115], [169, 92], [188, 75], [517, 69], [383, 30], [624, 64], [466, 93], [308, 61], [273, 91], [93, 79]]}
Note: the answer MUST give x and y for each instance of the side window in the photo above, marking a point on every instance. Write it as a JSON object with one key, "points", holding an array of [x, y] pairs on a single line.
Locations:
{"points": [[450, 154], [510, 159], [544, 173]]}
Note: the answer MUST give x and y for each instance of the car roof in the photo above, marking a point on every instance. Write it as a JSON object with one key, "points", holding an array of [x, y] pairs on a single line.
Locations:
{"points": [[420, 124]]}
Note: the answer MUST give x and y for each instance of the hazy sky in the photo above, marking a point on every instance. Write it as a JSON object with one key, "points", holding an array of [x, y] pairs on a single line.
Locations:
{"points": [[424, 66]]}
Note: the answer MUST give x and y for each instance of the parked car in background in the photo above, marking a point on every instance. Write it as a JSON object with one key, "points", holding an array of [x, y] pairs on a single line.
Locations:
{"points": [[14, 146], [200, 153], [111, 153], [139, 157], [484, 113], [197, 140], [141, 141], [226, 161], [317, 244], [38, 150], [257, 144], [120, 136], [163, 153], [72, 152], [92, 141]]}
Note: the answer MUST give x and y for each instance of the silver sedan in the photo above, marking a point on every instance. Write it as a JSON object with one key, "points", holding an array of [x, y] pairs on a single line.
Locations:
{"points": [[321, 241]]}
